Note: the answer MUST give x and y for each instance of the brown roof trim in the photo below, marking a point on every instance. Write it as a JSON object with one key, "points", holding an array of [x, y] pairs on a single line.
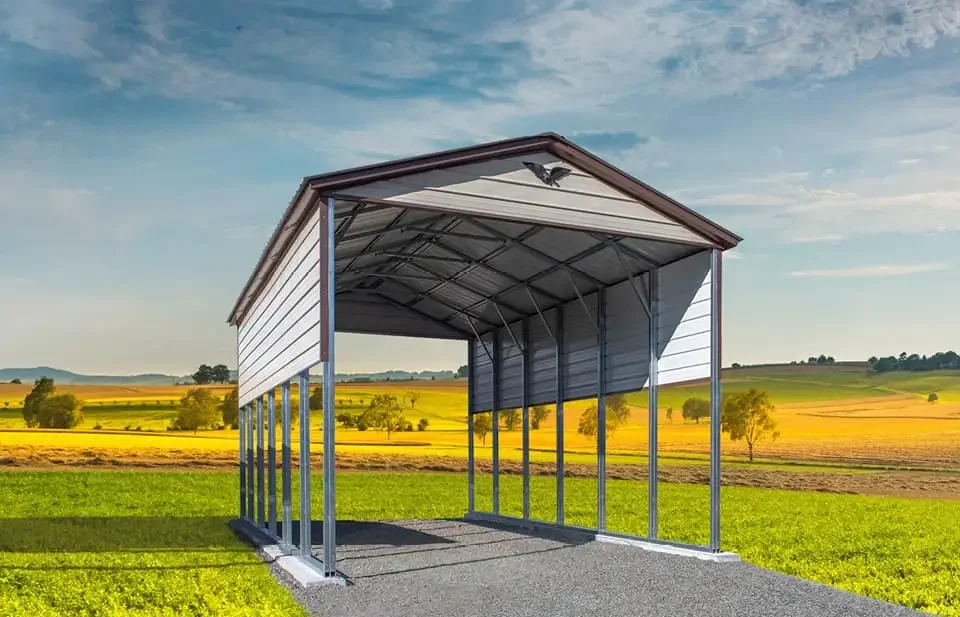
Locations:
{"points": [[641, 191], [551, 142]]}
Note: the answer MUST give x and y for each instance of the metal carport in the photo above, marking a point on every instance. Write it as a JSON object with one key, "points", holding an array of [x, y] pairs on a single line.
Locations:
{"points": [[567, 278]]}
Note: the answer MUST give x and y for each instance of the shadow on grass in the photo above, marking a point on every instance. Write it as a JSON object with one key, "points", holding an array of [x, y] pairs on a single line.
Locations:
{"points": [[111, 534]]}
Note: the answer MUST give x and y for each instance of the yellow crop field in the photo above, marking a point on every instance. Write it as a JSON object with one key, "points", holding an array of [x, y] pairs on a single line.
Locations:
{"points": [[840, 417]]}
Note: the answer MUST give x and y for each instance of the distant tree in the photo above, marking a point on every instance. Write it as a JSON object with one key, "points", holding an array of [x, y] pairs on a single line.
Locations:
{"points": [[872, 361], [16, 380], [617, 414], [822, 359], [812, 360], [346, 419], [42, 389], [481, 426], [385, 413], [933, 398], [198, 409], [413, 396], [749, 416], [461, 372], [540, 413], [316, 399], [736, 365], [60, 411], [670, 414], [423, 424], [220, 373], [695, 408], [6, 403], [831, 360], [203, 375], [511, 418], [230, 409], [617, 404]]}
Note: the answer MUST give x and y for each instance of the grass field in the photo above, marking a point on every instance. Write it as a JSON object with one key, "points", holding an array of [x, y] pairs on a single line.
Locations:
{"points": [[118, 544]]}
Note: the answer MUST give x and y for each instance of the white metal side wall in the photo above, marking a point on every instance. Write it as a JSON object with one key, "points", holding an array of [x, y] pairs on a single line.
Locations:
{"points": [[281, 334]]}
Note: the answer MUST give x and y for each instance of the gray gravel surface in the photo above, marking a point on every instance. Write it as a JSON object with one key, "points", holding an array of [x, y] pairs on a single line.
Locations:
{"points": [[452, 568]]}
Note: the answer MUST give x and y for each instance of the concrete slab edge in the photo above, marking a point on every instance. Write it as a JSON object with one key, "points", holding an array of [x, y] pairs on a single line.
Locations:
{"points": [[658, 547], [307, 572], [670, 549]]}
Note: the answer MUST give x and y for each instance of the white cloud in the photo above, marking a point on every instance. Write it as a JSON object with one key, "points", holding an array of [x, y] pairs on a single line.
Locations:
{"points": [[817, 239], [909, 161], [879, 270], [827, 172], [379, 5]]}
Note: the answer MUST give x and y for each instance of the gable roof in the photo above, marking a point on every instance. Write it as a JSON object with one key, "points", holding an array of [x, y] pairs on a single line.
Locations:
{"points": [[312, 187]]}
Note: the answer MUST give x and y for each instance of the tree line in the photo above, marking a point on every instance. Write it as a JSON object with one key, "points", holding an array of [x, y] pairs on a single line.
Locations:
{"points": [[744, 416], [915, 362]]}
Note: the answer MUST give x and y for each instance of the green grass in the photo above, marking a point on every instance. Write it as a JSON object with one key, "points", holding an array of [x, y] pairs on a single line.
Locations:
{"points": [[142, 543]]}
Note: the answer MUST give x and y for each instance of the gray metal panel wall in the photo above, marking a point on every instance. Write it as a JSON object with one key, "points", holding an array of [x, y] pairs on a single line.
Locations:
{"points": [[684, 331], [542, 355], [511, 368], [628, 338], [481, 389], [580, 349]]}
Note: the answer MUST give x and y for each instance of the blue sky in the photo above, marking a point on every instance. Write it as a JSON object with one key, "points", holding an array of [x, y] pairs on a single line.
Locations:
{"points": [[147, 149]]}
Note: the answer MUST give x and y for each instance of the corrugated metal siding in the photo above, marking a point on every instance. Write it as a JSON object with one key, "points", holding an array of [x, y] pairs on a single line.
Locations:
{"points": [[481, 390], [684, 341], [684, 332], [280, 335], [506, 188], [580, 349], [511, 368], [628, 339], [542, 355]]}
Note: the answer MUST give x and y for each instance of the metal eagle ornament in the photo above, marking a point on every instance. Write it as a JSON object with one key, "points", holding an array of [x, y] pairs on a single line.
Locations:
{"points": [[550, 176]]}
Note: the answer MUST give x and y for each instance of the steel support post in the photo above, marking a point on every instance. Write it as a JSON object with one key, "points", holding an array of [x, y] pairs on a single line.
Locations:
{"points": [[653, 479], [525, 417], [495, 417], [261, 484], [559, 415], [601, 410], [272, 463], [329, 411], [715, 291], [251, 506], [286, 476], [306, 542], [241, 436], [471, 460]]}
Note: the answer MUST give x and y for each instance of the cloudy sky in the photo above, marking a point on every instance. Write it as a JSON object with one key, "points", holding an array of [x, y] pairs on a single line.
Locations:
{"points": [[148, 148]]}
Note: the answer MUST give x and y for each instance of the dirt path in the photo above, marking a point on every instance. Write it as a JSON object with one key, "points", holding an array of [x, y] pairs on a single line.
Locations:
{"points": [[891, 483]]}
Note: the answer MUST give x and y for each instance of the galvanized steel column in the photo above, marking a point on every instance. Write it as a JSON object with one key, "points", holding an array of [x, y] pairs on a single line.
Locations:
{"points": [[495, 416], [329, 411], [261, 485], [272, 463], [559, 415], [243, 465], [286, 478], [525, 418], [652, 416], [715, 399], [471, 479], [601, 410], [251, 506], [306, 542]]}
